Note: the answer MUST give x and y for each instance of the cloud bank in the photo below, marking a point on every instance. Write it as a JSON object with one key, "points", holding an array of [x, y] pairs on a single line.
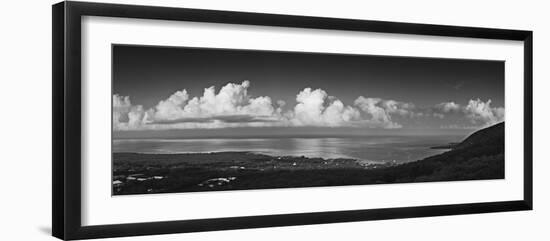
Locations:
{"points": [[477, 112], [233, 106]]}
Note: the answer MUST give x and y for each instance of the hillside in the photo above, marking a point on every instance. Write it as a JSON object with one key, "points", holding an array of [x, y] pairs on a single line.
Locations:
{"points": [[479, 156], [493, 135]]}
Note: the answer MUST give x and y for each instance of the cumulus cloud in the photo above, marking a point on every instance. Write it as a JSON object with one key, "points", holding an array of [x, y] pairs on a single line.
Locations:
{"points": [[479, 112], [121, 107], [378, 111], [233, 106], [316, 108], [448, 107], [126, 115], [173, 107], [232, 99], [441, 109], [398, 107]]}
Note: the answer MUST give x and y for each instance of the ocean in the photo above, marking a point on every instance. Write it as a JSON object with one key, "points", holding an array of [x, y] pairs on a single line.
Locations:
{"points": [[398, 149]]}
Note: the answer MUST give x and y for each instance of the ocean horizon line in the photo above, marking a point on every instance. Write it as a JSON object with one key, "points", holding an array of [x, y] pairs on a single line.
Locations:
{"points": [[261, 137]]}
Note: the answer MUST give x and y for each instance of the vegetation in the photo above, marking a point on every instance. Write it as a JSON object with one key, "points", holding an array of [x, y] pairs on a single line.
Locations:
{"points": [[480, 156]]}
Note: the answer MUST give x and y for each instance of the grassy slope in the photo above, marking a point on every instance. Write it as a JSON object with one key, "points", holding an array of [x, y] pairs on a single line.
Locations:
{"points": [[480, 156]]}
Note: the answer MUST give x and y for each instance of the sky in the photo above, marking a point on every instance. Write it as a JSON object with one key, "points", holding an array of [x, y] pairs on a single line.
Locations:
{"points": [[179, 91]]}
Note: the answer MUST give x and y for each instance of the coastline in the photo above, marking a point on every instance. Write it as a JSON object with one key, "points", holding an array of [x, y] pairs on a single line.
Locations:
{"points": [[135, 173], [478, 157]]}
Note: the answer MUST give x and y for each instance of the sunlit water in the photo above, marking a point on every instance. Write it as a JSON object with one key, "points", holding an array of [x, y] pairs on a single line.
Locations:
{"points": [[370, 148]]}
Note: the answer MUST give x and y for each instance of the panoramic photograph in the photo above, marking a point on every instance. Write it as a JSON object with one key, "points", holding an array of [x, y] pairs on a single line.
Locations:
{"points": [[188, 119]]}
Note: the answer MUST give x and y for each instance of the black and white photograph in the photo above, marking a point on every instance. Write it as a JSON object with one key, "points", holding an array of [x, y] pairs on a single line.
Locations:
{"points": [[188, 119], [275, 120]]}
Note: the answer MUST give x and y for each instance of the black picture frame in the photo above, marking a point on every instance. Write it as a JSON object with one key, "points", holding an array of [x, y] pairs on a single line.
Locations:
{"points": [[66, 127]]}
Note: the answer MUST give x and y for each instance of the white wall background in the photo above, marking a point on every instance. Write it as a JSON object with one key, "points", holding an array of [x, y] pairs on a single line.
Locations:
{"points": [[25, 119]]}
